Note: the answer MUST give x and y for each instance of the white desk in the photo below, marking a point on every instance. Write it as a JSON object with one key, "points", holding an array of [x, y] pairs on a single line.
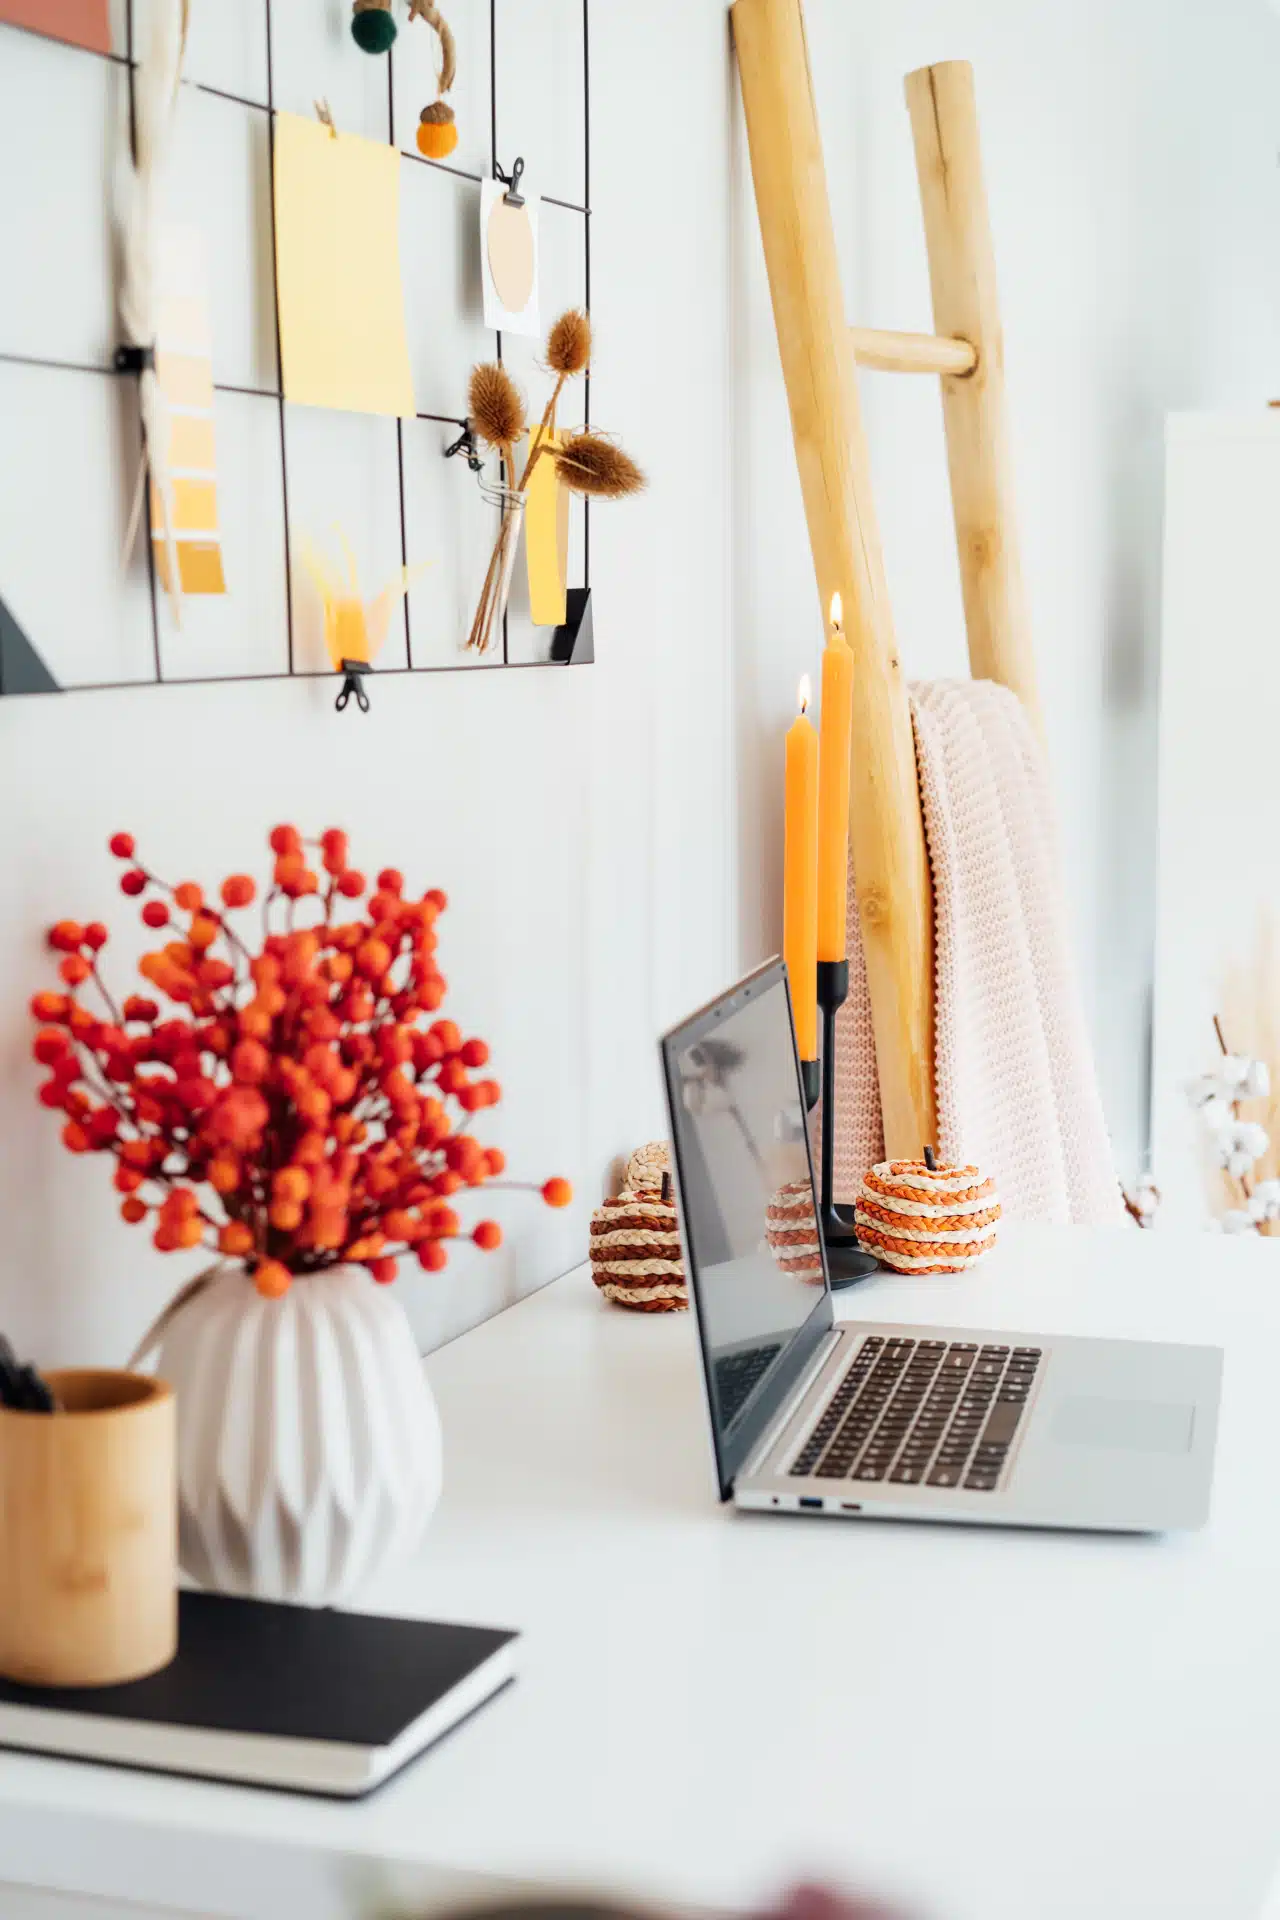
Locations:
{"points": [[1001, 1725]]}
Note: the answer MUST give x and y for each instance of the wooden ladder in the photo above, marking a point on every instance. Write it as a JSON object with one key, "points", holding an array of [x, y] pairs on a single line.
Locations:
{"points": [[819, 351]]}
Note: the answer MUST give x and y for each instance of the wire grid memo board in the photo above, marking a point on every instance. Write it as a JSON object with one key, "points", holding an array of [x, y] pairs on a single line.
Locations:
{"points": [[69, 427]]}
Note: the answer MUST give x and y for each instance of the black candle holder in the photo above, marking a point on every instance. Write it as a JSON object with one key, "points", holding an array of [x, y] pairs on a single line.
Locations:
{"points": [[846, 1261]]}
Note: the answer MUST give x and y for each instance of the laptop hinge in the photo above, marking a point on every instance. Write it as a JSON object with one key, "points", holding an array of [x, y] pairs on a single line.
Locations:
{"points": [[808, 1379]]}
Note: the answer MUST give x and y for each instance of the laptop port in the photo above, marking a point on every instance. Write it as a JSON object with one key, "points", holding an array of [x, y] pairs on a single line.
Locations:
{"points": [[851, 1506], [808, 1500]]}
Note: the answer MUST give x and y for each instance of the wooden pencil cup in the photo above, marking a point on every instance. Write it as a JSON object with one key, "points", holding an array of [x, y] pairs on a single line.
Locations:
{"points": [[88, 1533]]}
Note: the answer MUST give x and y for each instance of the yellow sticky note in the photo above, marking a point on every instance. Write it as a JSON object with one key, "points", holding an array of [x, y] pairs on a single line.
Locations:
{"points": [[546, 553], [342, 335]]}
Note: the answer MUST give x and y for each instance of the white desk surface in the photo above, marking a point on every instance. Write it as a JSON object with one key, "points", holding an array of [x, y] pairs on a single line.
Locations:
{"points": [[997, 1725]]}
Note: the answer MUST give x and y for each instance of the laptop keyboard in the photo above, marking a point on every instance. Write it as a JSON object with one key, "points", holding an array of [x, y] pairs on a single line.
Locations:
{"points": [[737, 1374], [923, 1413]]}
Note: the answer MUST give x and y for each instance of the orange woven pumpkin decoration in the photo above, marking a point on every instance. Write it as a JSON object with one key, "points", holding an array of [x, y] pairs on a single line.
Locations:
{"points": [[635, 1252], [921, 1218]]}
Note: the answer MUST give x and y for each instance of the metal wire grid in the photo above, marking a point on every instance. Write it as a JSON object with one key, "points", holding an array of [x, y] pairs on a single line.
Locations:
{"points": [[128, 60]]}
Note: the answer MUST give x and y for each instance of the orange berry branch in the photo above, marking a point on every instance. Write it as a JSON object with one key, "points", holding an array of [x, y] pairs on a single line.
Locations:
{"points": [[294, 1111]]}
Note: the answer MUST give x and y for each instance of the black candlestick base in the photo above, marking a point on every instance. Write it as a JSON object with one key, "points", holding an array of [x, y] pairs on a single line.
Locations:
{"points": [[846, 1261]]}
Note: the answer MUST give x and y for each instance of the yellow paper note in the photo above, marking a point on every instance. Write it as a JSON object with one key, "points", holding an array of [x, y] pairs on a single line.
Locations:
{"points": [[342, 335], [546, 553]]}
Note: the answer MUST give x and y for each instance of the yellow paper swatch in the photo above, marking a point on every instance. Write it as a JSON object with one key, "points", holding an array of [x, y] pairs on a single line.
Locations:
{"points": [[341, 305], [187, 379], [185, 371], [546, 552]]}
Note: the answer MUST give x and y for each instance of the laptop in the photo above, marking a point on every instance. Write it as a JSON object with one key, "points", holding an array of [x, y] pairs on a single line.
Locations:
{"points": [[867, 1419]]}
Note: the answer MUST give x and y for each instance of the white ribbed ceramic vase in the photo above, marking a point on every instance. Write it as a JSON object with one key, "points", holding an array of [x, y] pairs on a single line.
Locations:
{"points": [[308, 1438]]}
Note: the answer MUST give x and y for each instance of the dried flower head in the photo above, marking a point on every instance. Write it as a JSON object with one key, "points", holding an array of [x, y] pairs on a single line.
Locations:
{"points": [[569, 343], [496, 405], [588, 463]]}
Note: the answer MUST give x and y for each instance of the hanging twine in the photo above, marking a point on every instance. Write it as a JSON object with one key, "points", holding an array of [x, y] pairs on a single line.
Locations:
{"points": [[424, 10]]}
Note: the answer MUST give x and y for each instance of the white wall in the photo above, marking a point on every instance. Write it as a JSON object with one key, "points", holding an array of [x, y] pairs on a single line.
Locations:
{"points": [[578, 819], [1131, 157], [610, 838]]}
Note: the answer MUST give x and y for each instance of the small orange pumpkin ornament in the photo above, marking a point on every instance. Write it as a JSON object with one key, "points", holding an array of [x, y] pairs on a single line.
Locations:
{"points": [[919, 1217]]}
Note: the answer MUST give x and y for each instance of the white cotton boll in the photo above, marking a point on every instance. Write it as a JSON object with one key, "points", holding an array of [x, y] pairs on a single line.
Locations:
{"points": [[1233, 1069], [1266, 1199], [1237, 1164], [1206, 1089], [1217, 1115], [1252, 1139], [1256, 1084], [1235, 1220]]}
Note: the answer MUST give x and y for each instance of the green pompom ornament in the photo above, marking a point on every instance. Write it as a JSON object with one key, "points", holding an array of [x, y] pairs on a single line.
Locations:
{"points": [[372, 28]]}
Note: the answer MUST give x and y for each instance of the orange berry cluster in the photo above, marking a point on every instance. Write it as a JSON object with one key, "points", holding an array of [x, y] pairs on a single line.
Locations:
{"points": [[293, 1111]]}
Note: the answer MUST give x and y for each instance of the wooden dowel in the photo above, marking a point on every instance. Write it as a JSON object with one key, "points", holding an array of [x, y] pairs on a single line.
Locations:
{"points": [[895, 907], [889, 352], [962, 273]]}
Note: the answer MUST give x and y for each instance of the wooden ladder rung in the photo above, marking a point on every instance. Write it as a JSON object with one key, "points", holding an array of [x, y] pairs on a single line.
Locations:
{"points": [[891, 352]]}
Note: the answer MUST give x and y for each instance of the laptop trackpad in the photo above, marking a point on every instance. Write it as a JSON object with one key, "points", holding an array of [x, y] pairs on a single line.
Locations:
{"points": [[1147, 1426]]}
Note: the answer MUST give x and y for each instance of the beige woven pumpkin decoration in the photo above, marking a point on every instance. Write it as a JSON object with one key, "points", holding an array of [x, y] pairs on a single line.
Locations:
{"points": [[921, 1218], [646, 1167]]}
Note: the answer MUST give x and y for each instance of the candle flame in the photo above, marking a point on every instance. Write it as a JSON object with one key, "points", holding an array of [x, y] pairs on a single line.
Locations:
{"points": [[804, 693], [837, 611]]}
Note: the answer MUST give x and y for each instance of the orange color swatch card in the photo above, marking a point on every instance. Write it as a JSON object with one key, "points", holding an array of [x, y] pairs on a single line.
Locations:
{"points": [[82, 22]]}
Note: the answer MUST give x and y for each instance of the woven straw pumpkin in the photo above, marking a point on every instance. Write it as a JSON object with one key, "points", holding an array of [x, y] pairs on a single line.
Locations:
{"points": [[646, 1167], [919, 1218], [791, 1230], [635, 1253]]}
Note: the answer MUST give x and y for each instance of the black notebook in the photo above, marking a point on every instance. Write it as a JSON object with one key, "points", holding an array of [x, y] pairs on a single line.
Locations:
{"points": [[279, 1696]]}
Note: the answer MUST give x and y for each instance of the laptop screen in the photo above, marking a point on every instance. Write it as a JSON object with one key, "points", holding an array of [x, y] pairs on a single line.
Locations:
{"points": [[745, 1188]]}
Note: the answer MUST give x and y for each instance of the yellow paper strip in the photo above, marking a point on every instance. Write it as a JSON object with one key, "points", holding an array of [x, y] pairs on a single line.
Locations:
{"points": [[543, 555], [341, 304], [185, 373]]}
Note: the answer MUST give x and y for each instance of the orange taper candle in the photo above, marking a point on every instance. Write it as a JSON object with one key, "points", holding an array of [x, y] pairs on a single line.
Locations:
{"points": [[836, 725], [800, 877]]}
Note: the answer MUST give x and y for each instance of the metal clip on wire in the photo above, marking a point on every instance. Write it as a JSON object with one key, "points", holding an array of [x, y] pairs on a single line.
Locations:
{"points": [[134, 359], [513, 196], [466, 443], [355, 671]]}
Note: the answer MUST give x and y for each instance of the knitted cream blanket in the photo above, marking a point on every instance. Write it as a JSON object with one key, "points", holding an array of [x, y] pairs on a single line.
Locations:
{"points": [[1016, 1090]]}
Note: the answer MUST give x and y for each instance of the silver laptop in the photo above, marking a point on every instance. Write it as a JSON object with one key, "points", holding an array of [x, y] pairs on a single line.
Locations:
{"points": [[870, 1420]]}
